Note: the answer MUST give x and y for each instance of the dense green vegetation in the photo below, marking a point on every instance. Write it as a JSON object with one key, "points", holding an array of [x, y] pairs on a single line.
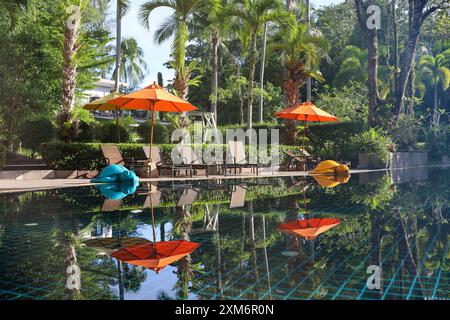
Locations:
{"points": [[242, 60]]}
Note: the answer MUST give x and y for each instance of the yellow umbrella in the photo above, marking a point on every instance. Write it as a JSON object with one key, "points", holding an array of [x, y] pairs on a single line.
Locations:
{"points": [[104, 104]]}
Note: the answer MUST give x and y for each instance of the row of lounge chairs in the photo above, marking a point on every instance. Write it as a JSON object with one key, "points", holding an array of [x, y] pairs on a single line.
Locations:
{"points": [[191, 163]]}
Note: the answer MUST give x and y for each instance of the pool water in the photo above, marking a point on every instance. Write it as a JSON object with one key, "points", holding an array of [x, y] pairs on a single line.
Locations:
{"points": [[378, 236]]}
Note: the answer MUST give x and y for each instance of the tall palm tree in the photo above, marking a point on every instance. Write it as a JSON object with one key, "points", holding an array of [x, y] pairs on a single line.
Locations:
{"points": [[67, 124], [13, 8], [252, 15], [177, 26], [299, 47], [132, 63], [436, 70], [121, 10]]}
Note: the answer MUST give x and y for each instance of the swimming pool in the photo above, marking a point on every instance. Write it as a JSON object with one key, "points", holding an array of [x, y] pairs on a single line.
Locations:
{"points": [[377, 236]]}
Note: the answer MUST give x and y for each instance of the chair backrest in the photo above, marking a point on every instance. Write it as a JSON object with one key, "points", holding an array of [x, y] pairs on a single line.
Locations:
{"points": [[187, 197], [294, 156], [153, 200], [237, 152], [112, 154], [188, 155], [305, 153], [157, 155], [111, 205], [238, 197]]}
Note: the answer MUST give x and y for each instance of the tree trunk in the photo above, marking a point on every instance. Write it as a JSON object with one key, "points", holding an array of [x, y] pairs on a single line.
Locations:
{"points": [[308, 23], [118, 46], [241, 99], [69, 68], [372, 46], [435, 103], [251, 77], [416, 16], [215, 72], [67, 132], [261, 74]]}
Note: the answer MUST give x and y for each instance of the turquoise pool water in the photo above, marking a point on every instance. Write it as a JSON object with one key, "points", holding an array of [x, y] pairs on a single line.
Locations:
{"points": [[378, 236]]}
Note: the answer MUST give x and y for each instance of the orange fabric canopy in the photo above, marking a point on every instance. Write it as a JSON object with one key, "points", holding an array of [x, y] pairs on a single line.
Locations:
{"points": [[153, 98], [309, 228], [155, 256], [306, 112]]}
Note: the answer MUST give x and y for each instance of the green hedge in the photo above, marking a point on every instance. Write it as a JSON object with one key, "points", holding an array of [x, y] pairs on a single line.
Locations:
{"points": [[88, 156]]}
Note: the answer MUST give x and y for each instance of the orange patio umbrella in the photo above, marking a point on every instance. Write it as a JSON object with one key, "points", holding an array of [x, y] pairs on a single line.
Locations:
{"points": [[309, 228], [104, 104], [153, 98], [306, 112], [155, 256]]}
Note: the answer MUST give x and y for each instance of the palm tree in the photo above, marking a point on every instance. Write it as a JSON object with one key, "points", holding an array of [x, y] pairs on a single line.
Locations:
{"points": [[132, 63], [121, 10], [13, 8], [177, 25], [436, 70], [353, 66], [252, 15], [67, 124], [300, 48]]}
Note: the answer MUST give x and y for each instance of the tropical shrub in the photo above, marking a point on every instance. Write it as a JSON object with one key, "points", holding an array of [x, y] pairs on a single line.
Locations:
{"points": [[161, 133], [348, 103], [332, 140], [373, 142], [406, 132], [108, 133], [35, 132], [88, 132]]}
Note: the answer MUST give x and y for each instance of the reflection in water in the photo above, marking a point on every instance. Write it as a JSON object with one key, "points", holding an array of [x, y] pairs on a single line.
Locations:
{"points": [[309, 228], [59, 244]]}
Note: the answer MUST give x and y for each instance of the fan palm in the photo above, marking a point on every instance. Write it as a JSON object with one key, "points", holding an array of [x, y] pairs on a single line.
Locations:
{"points": [[252, 15], [299, 48], [13, 8], [177, 26], [132, 62], [436, 70]]}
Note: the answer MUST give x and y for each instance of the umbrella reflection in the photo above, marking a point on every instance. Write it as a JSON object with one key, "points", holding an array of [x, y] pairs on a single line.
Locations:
{"points": [[331, 181], [157, 255], [309, 228]]}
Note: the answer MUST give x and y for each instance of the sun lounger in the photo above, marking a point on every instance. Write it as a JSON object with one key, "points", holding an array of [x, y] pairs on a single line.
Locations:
{"points": [[238, 159], [238, 197], [188, 197], [111, 205]]}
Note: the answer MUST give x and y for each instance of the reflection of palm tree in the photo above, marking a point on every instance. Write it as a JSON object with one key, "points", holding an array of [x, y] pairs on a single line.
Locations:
{"points": [[73, 273], [133, 276], [185, 274], [253, 238]]}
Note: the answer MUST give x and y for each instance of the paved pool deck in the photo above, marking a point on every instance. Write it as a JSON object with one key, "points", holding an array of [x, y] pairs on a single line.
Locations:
{"points": [[10, 186]]}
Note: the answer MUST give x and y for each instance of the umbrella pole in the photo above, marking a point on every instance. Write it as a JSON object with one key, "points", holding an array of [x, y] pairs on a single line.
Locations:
{"points": [[153, 220], [151, 133], [117, 125]]}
